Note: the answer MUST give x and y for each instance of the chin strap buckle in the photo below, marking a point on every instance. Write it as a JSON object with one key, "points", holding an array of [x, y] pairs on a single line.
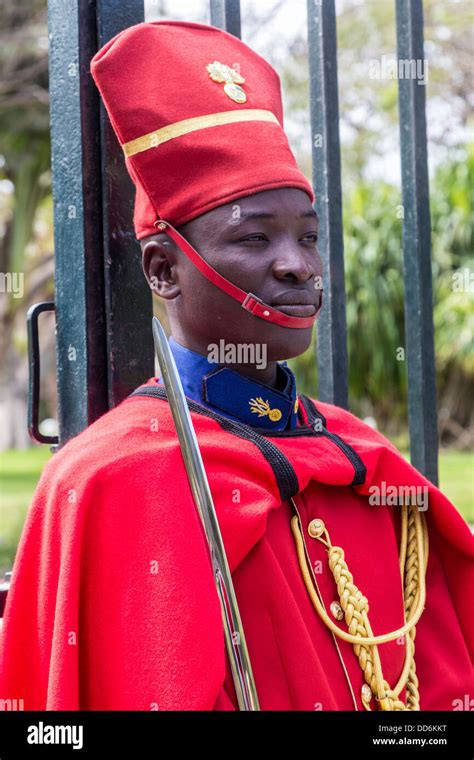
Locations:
{"points": [[251, 302]]}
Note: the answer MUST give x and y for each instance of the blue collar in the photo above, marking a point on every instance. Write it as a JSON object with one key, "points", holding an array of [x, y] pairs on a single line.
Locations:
{"points": [[235, 396]]}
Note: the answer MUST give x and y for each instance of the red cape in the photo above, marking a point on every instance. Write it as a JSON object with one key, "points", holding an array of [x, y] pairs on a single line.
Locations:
{"points": [[113, 604]]}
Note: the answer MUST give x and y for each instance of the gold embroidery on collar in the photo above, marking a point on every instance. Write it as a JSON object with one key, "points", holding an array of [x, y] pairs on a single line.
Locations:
{"points": [[262, 408]]}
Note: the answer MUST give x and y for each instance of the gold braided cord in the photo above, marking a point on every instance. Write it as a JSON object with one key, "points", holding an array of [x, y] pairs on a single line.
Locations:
{"points": [[413, 563], [338, 566], [336, 644], [405, 674], [409, 572]]}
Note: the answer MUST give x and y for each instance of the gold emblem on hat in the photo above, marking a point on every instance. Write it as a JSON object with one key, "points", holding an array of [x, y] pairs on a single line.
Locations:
{"points": [[262, 408], [220, 72]]}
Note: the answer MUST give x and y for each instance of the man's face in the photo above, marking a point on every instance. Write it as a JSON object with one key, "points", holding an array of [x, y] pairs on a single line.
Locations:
{"points": [[263, 243]]}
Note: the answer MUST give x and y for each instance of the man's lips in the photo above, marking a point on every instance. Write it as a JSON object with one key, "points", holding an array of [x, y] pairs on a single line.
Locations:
{"points": [[296, 304], [296, 309]]}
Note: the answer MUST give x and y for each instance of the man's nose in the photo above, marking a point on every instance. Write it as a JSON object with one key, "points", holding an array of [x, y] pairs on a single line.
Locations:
{"points": [[292, 262]]}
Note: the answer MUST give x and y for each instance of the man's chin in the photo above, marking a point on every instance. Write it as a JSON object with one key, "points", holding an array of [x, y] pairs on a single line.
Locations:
{"points": [[296, 345], [289, 343]]}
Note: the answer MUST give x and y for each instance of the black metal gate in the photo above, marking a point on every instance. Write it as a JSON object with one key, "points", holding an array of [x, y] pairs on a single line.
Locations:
{"points": [[103, 305]]}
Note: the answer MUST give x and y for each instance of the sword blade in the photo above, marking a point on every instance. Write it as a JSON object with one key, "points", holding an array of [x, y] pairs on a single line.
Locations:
{"points": [[233, 630]]}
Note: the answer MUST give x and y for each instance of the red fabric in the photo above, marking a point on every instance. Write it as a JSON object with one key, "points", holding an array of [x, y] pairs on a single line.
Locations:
{"points": [[90, 625], [154, 74]]}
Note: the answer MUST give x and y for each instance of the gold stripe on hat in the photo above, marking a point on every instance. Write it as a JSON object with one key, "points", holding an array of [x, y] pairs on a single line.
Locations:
{"points": [[179, 128]]}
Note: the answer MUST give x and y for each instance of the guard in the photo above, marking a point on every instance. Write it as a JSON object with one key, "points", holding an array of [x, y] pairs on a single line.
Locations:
{"points": [[353, 573]]}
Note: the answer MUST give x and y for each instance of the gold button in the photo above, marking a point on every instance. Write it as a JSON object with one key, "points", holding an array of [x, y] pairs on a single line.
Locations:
{"points": [[336, 610], [316, 528], [366, 693]]}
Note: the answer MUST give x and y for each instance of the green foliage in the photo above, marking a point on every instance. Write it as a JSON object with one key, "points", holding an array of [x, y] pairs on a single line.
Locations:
{"points": [[375, 293], [375, 299], [24, 127], [453, 245]]}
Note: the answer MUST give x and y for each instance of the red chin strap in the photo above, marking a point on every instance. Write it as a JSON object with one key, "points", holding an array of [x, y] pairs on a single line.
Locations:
{"points": [[248, 301]]}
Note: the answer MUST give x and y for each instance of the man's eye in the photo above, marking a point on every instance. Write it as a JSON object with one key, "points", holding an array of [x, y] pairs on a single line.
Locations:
{"points": [[259, 237], [256, 237]]}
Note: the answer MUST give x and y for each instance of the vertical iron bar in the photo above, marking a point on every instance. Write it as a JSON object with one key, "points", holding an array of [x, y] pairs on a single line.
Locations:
{"points": [[128, 300], [226, 15], [79, 281], [417, 246], [324, 110]]}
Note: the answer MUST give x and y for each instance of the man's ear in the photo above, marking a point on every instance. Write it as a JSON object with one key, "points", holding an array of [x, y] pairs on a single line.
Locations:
{"points": [[159, 262]]}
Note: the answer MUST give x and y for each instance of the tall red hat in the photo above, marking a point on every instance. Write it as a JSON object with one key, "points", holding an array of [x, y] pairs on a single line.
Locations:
{"points": [[199, 117]]}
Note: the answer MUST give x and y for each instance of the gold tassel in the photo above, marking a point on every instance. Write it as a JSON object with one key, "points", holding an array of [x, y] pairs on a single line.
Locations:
{"points": [[355, 607]]}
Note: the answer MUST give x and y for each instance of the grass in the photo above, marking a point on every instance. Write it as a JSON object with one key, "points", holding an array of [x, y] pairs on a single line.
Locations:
{"points": [[19, 474], [456, 477], [20, 471]]}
